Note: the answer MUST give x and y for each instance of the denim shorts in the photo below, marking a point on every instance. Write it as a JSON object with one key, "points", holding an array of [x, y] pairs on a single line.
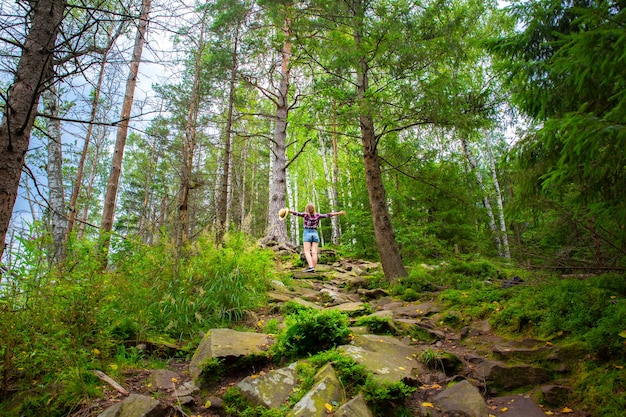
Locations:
{"points": [[310, 235]]}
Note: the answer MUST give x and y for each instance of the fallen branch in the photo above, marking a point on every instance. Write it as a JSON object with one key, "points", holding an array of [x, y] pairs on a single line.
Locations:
{"points": [[104, 377]]}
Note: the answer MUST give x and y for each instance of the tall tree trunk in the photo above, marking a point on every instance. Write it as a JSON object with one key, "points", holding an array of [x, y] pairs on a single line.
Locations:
{"points": [[331, 194], [99, 143], [335, 221], [277, 230], [54, 169], [222, 202], [244, 183], [78, 182], [33, 75], [503, 234], [122, 132], [292, 198], [388, 250], [479, 179], [189, 144]]}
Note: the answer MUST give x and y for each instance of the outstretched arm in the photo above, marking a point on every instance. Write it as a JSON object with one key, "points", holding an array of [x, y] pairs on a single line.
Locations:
{"points": [[338, 213]]}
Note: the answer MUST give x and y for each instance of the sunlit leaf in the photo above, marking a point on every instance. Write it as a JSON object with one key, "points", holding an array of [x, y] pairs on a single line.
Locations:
{"points": [[427, 405], [567, 410]]}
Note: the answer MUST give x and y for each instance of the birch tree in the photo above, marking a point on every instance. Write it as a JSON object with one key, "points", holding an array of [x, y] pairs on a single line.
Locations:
{"points": [[471, 160], [54, 169]]}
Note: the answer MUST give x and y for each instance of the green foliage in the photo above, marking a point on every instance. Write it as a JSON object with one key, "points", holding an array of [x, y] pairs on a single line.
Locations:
{"points": [[376, 325], [236, 405], [602, 387], [311, 331], [431, 358], [385, 398], [577, 309], [351, 374], [148, 295], [564, 71]]}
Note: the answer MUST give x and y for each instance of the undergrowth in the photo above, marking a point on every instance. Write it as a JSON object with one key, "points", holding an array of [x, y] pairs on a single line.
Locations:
{"points": [[60, 323]]}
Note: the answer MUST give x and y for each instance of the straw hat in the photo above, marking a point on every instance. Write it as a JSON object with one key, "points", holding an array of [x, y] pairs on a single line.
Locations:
{"points": [[283, 212]]}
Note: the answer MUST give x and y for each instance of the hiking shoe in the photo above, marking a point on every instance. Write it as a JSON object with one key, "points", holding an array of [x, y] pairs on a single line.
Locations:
{"points": [[310, 269]]}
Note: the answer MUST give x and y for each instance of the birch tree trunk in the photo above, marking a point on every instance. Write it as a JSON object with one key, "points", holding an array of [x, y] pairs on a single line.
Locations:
{"points": [[292, 198], [277, 230], [479, 179], [54, 169], [496, 184], [32, 77], [122, 132], [331, 192]]}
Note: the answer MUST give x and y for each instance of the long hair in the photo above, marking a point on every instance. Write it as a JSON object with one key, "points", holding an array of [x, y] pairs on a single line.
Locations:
{"points": [[310, 209]]}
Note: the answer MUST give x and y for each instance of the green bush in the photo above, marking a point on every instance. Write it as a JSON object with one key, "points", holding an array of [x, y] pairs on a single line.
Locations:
{"points": [[376, 325], [311, 331]]}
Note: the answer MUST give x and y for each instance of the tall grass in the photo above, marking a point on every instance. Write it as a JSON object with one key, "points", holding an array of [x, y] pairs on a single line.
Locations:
{"points": [[56, 323]]}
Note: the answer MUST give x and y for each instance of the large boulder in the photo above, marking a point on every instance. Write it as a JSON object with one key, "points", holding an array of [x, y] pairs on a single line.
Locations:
{"points": [[387, 358], [271, 389], [226, 343], [462, 399], [136, 405], [327, 390]]}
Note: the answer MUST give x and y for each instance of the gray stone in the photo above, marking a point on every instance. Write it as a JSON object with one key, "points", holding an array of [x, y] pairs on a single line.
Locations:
{"points": [[136, 405], [555, 394], [387, 358], [333, 296], [350, 307], [327, 390], [356, 407], [516, 406], [188, 388], [278, 286], [373, 294], [510, 377], [461, 398], [224, 343], [306, 304], [164, 379], [272, 389], [506, 353]]}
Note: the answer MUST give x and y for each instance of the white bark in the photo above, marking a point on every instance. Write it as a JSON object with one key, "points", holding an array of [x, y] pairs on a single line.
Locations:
{"points": [[496, 183], [54, 170], [479, 179]]}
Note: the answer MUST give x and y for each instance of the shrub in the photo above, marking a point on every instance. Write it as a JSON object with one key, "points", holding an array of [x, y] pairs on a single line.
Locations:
{"points": [[311, 331]]}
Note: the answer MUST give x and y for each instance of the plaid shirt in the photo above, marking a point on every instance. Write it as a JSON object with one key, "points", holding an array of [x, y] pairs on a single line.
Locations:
{"points": [[311, 222]]}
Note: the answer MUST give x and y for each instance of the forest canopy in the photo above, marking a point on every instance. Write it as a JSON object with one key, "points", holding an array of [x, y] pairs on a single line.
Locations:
{"points": [[441, 127]]}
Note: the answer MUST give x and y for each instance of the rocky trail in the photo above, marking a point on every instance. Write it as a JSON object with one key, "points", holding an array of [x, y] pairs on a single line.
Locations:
{"points": [[476, 373]]}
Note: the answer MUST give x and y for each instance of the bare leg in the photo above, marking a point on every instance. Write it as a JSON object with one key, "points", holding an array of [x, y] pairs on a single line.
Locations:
{"points": [[307, 253], [314, 254]]}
